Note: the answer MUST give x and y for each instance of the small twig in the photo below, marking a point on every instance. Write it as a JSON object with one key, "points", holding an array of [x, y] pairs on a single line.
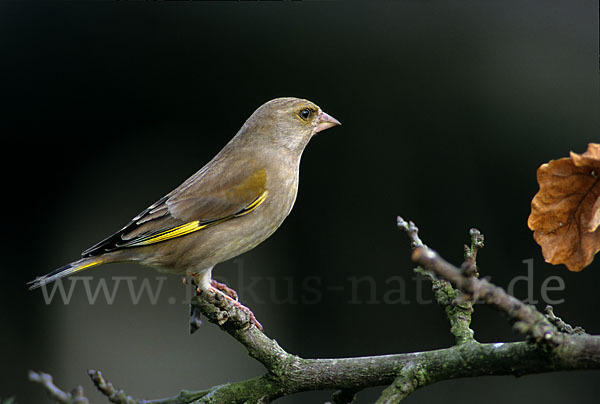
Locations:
{"points": [[78, 396], [106, 388], [469, 267], [560, 324], [527, 319], [410, 378], [75, 397], [184, 397], [119, 396], [458, 310], [412, 231]]}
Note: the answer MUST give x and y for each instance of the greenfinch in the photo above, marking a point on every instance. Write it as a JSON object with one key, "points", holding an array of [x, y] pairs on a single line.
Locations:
{"points": [[228, 207]]}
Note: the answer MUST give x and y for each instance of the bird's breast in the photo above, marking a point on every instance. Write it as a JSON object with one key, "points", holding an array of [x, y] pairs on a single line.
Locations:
{"points": [[283, 190]]}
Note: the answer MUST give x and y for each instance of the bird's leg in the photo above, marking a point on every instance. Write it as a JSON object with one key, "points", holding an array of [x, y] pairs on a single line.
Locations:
{"points": [[224, 288], [195, 314], [229, 294]]}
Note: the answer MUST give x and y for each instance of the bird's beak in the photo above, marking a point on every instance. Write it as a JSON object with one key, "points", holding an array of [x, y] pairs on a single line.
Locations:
{"points": [[325, 121]]}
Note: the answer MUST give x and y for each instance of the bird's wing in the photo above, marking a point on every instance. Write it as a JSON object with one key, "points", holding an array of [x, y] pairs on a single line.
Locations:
{"points": [[210, 197]]}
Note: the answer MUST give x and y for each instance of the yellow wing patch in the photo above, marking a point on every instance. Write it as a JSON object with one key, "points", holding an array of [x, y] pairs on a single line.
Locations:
{"points": [[253, 205], [194, 226], [172, 233]]}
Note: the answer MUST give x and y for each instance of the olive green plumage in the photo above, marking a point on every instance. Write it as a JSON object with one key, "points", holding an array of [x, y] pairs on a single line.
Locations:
{"points": [[230, 206]]}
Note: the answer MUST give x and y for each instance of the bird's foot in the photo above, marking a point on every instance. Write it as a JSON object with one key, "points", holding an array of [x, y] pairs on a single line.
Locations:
{"points": [[224, 288], [239, 306], [221, 291]]}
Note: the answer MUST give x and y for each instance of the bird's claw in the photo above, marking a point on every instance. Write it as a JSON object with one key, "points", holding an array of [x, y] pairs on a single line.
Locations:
{"points": [[219, 296], [224, 288]]}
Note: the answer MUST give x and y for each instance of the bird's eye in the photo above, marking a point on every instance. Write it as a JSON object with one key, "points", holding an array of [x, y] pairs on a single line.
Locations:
{"points": [[304, 114]]}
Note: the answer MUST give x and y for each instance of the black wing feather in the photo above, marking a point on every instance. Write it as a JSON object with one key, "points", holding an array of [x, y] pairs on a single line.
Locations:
{"points": [[113, 242]]}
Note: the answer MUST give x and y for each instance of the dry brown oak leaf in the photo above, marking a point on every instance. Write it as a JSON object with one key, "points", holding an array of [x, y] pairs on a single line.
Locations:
{"points": [[565, 213]]}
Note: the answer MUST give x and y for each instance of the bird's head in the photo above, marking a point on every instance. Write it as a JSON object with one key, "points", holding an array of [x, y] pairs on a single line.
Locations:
{"points": [[289, 122]]}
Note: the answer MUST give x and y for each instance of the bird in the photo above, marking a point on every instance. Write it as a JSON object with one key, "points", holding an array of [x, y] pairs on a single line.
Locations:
{"points": [[228, 207]]}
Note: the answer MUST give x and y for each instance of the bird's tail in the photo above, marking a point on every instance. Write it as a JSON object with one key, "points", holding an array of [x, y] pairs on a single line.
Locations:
{"points": [[63, 271]]}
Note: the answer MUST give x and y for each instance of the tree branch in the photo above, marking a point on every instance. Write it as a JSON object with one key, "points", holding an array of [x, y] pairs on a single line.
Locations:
{"points": [[55, 393], [526, 318], [560, 324], [422, 368], [548, 349]]}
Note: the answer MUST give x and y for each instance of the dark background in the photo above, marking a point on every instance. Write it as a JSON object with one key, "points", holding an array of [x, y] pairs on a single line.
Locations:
{"points": [[448, 108]]}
